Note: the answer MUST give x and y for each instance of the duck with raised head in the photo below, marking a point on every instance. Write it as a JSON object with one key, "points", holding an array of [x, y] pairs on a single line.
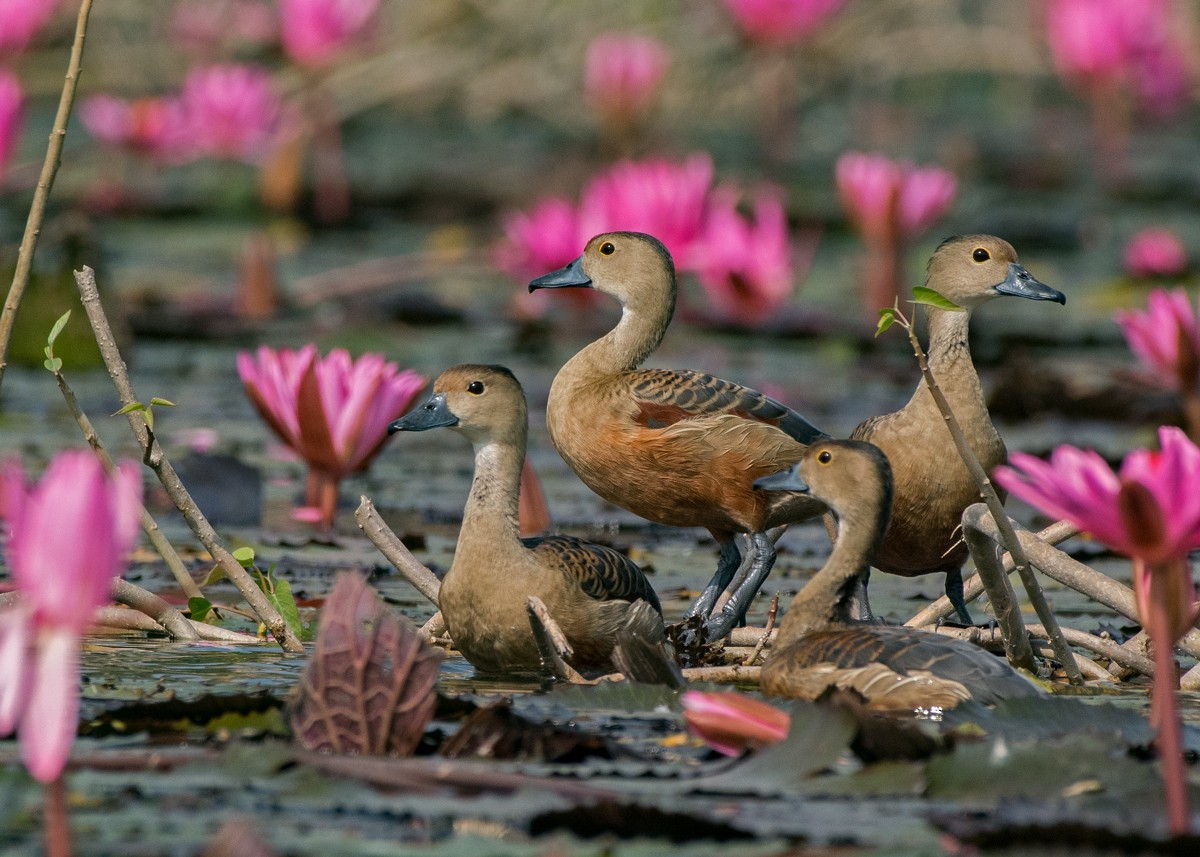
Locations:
{"points": [[933, 487], [820, 643], [590, 590], [677, 447]]}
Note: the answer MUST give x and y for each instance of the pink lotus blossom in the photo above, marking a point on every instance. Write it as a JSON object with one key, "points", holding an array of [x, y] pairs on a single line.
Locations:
{"points": [[781, 22], [622, 76], [333, 412], [20, 21], [151, 126], [664, 199], [885, 197], [10, 118], [231, 111], [745, 267], [1155, 252], [1099, 44], [67, 540], [1150, 511], [1166, 337], [314, 31], [545, 238], [732, 723]]}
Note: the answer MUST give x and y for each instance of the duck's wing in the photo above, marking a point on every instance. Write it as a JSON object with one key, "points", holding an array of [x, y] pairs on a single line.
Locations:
{"points": [[667, 396], [602, 573], [908, 651]]}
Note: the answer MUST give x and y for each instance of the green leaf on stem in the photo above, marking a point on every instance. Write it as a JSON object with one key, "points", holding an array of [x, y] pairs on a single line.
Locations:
{"points": [[166, 403], [244, 556], [57, 329], [929, 297], [887, 317], [282, 599], [130, 408], [199, 608], [53, 364], [215, 575]]}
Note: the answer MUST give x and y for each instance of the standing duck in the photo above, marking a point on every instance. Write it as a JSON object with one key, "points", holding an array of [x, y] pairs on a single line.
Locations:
{"points": [[933, 487], [674, 446], [820, 643], [588, 589]]}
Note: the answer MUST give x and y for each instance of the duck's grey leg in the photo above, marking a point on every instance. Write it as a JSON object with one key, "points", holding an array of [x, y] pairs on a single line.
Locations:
{"points": [[727, 566], [739, 601], [860, 604], [954, 591]]}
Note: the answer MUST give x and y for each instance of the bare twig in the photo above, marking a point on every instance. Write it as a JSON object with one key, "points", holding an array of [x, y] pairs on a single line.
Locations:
{"points": [[154, 457], [941, 607], [734, 674], [149, 525], [434, 627], [37, 210], [1032, 588], [394, 551], [552, 643], [1000, 592], [766, 634], [154, 607], [1105, 648]]}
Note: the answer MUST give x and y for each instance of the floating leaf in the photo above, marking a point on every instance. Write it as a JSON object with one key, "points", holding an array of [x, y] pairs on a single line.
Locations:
{"points": [[887, 317], [369, 685], [929, 297], [57, 329]]}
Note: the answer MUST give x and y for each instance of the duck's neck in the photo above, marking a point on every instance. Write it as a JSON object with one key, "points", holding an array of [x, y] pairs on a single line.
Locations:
{"points": [[949, 358], [639, 332], [490, 516], [826, 601]]}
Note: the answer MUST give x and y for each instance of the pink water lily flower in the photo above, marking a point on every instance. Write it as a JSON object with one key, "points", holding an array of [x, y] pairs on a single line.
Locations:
{"points": [[781, 22], [332, 411], [890, 203], [209, 28], [315, 31], [10, 118], [20, 21], [1155, 252], [231, 111], [622, 76], [67, 540], [1165, 337], [662, 198], [1149, 511], [745, 266], [732, 723], [151, 126]]}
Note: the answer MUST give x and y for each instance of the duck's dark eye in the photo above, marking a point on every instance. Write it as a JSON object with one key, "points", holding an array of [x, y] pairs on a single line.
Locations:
{"points": [[475, 388], [607, 249], [825, 456], [981, 255]]}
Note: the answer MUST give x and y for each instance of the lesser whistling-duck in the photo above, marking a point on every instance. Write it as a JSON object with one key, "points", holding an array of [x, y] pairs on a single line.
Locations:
{"points": [[674, 446], [820, 643], [589, 589], [933, 487]]}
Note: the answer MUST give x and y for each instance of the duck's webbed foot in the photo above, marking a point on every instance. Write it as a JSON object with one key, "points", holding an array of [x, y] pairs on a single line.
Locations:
{"points": [[739, 602], [727, 567], [954, 591]]}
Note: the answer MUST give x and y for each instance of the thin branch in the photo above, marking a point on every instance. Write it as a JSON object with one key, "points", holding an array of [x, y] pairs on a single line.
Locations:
{"points": [[155, 607], [37, 209], [149, 525], [1000, 592], [941, 607], [394, 551], [154, 457], [766, 634], [1032, 588]]}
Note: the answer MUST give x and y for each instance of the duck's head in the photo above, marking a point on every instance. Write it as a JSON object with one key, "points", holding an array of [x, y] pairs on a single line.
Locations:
{"points": [[972, 269], [633, 267], [480, 402], [851, 477]]}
